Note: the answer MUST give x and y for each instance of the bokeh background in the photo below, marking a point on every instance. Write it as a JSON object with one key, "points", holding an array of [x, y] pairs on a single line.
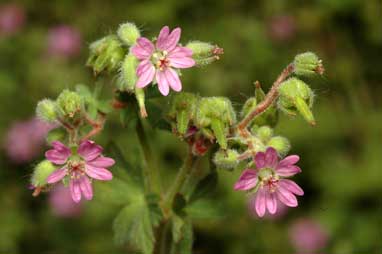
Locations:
{"points": [[43, 49]]}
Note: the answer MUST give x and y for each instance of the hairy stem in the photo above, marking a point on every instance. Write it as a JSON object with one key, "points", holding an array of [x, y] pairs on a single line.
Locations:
{"points": [[184, 171], [150, 171], [97, 125], [268, 100]]}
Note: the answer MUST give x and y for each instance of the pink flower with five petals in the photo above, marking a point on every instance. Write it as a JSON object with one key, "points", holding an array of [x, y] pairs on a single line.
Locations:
{"points": [[159, 62], [268, 179], [81, 165]]}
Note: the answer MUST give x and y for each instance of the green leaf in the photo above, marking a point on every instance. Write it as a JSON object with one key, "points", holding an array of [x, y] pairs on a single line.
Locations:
{"points": [[117, 192], [156, 214], [205, 209], [104, 106], [184, 246], [133, 227], [205, 186]]}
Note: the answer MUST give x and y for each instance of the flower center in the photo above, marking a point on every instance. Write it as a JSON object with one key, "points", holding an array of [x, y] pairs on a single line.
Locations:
{"points": [[160, 60], [76, 169], [268, 179]]}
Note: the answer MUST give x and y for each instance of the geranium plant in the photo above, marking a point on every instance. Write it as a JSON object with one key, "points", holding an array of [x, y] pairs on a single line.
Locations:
{"points": [[155, 219]]}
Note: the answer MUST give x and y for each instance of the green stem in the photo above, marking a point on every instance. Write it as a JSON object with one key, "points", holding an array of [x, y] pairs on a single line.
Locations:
{"points": [[184, 171], [150, 171]]}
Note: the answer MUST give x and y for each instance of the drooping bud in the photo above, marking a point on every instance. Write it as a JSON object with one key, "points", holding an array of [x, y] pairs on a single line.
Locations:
{"points": [[216, 114], [128, 74], [69, 103], [204, 53], [128, 33], [140, 96], [281, 144], [182, 111], [226, 159], [296, 96], [308, 64], [106, 54], [265, 133], [46, 110], [41, 173]]}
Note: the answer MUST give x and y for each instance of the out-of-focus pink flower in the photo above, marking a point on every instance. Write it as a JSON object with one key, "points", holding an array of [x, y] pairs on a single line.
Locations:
{"points": [[307, 235], [79, 166], [282, 28], [12, 19], [25, 139], [269, 181], [281, 211], [61, 203], [160, 61], [64, 41]]}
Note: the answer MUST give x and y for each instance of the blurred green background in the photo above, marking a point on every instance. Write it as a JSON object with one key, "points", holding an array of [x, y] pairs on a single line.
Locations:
{"points": [[341, 157]]}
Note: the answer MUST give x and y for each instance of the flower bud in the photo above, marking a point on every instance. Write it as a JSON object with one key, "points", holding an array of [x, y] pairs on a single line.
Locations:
{"points": [[216, 114], [105, 54], [249, 106], [128, 33], [264, 133], [281, 145], [182, 110], [140, 96], [41, 173], [296, 96], [308, 64], [69, 103], [204, 53], [46, 110], [128, 74], [226, 159]]}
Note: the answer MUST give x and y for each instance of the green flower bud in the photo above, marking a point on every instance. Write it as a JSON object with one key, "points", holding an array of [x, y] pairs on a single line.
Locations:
{"points": [[182, 110], [308, 64], [69, 103], [106, 54], [264, 133], [249, 106], [296, 96], [128, 74], [226, 159], [204, 53], [217, 114], [46, 110], [41, 173], [281, 145], [140, 96], [128, 33]]}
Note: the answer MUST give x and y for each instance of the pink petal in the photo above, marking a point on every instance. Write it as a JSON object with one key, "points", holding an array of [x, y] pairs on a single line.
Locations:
{"points": [[271, 202], [89, 150], [171, 41], [143, 67], [75, 190], [260, 202], [247, 180], [163, 84], [60, 147], [56, 157], [181, 62], [288, 170], [291, 186], [57, 175], [173, 79], [146, 77], [86, 187], [162, 37], [101, 162], [180, 52], [286, 197], [143, 49], [98, 173], [260, 160], [289, 160], [271, 157]]}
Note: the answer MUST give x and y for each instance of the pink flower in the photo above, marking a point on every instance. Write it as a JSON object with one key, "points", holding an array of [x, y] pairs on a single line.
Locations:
{"points": [[64, 41], [79, 166], [12, 19], [268, 180], [282, 28], [61, 203], [307, 235], [158, 61], [25, 140]]}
